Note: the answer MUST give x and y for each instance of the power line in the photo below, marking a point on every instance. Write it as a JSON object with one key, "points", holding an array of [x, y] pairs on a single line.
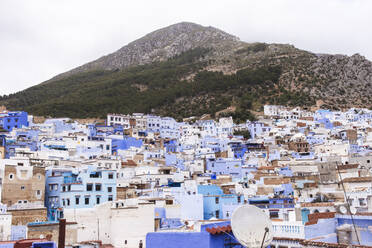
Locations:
{"points": [[233, 237], [347, 202]]}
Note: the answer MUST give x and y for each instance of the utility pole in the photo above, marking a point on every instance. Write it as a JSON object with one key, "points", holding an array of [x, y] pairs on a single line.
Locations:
{"points": [[62, 233]]}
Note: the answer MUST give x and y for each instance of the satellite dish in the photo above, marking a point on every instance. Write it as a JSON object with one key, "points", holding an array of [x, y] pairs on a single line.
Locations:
{"points": [[343, 209], [353, 210], [251, 226]]}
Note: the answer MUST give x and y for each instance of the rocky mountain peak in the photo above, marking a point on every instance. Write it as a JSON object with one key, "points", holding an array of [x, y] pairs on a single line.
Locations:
{"points": [[160, 45]]}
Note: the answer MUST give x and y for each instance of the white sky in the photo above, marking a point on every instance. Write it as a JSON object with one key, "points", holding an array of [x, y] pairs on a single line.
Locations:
{"points": [[42, 38]]}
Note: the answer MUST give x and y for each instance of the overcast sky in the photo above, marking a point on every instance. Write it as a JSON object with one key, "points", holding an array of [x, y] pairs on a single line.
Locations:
{"points": [[42, 38]]}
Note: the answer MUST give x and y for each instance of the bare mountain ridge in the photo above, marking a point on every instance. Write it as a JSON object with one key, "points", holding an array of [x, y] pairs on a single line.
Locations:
{"points": [[161, 45]]}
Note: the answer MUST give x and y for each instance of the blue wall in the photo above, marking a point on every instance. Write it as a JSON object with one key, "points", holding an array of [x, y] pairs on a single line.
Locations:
{"points": [[221, 166], [49, 244], [64, 187], [322, 228], [125, 143], [201, 239], [363, 223], [177, 239], [214, 199], [14, 119]]}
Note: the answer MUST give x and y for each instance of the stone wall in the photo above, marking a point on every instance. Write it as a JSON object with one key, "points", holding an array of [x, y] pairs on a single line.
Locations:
{"points": [[24, 216], [51, 232], [23, 184]]}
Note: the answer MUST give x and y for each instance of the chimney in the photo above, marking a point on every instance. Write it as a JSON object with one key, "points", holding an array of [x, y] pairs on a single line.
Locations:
{"points": [[62, 233]]}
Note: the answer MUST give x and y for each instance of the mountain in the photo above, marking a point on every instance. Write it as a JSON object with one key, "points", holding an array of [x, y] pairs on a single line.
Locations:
{"points": [[161, 45], [187, 69]]}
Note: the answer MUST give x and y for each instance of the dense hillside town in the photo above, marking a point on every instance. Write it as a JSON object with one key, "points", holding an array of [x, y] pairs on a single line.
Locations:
{"points": [[149, 181]]}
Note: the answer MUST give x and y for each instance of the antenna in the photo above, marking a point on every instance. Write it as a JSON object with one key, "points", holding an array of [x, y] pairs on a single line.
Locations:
{"points": [[353, 210], [343, 209], [251, 226]]}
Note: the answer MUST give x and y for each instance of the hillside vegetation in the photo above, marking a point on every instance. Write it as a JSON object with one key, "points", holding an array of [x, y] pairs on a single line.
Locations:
{"points": [[190, 70], [156, 88]]}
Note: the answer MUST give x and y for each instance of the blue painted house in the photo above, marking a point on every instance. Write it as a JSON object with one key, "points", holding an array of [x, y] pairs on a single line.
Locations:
{"points": [[125, 144], [13, 119], [171, 145], [214, 199], [23, 139], [78, 189], [225, 166], [257, 128]]}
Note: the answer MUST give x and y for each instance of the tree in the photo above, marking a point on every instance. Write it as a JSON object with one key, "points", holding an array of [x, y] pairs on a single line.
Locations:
{"points": [[245, 133]]}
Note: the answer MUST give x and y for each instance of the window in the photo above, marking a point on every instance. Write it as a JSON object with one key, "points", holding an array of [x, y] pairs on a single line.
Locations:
{"points": [[77, 200], [95, 175], [274, 214], [217, 200], [217, 214], [107, 147], [90, 187], [98, 187], [368, 161], [22, 187], [98, 199], [110, 198], [38, 192], [64, 188], [239, 199], [11, 176], [68, 202], [109, 189], [86, 200], [111, 176]]}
